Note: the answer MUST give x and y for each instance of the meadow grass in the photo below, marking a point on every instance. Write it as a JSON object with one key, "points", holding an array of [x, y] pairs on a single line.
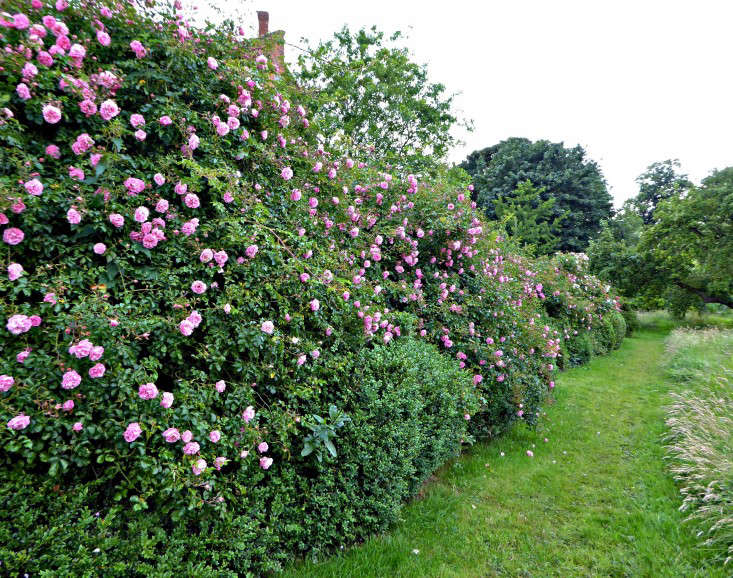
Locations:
{"points": [[594, 500], [700, 444]]}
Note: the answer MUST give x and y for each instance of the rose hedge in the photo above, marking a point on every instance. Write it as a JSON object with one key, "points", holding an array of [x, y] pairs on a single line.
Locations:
{"points": [[215, 328]]}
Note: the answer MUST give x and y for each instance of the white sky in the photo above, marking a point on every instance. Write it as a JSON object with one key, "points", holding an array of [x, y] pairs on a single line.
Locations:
{"points": [[632, 82]]}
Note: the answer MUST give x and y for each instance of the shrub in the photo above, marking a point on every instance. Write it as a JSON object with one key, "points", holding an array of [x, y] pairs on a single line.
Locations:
{"points": [[182, 318], [631, 319]]}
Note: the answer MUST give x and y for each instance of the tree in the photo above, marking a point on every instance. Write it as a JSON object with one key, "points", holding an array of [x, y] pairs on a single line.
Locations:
{"points": [[367, 93], [564, 174], [660, 181], [528, 219], [690, 244]]}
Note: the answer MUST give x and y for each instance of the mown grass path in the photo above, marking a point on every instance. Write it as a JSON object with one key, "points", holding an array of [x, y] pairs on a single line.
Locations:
{"points": [[595, 500]]}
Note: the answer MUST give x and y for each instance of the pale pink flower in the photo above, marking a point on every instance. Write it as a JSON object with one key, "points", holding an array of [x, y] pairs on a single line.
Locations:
{"points": [[248, 414], [142, 214], [212, 63], [192, 201], [109, 109], [159, 179], [51, 113], [103, 38], [171, 435], [68, 405], [199, 467], [132, 432], [186, 436], [19, 422], [6, 382], [70, 379], [117, 220], [97, 370], [265, 463], [251, 251], [99, 248], [214, 436], [191, 448], [147, 391], [267, 327], [78, 426], [166, 400], [186, 327], [15, 270], [198, 287], [220, 386]]}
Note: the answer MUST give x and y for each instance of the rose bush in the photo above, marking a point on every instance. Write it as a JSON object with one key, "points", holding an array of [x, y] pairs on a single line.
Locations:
{"points": [[192, 282]]}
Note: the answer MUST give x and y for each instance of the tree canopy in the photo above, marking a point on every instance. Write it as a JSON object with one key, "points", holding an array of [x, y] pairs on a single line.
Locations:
{"points": [[368, 94], [660, 181], [564, 174]]}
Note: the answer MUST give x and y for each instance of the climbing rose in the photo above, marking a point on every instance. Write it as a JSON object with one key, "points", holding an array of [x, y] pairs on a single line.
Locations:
{"points": [[198, 287], [166, 400], [51, 114], [6, 382], [142, 214], [248, 414], [287, 173], [117, 220], [73, 216], [13, 236], [99, 248], [265, 463], [186, 327], [34, 187], [19, 422], [18, 324], [251, 251], [199, 467], [97, 370], [147, 391], [132, 432], [15, 270], [77, 426], [220, 386], [212, 63], [267, 327], [215, 436], [109, 109], [191, 448], [263, 447], [71, 379], [171, 435]]}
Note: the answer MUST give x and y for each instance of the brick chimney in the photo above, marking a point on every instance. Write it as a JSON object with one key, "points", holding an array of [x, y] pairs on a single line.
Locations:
{"points": [[264, 19]]}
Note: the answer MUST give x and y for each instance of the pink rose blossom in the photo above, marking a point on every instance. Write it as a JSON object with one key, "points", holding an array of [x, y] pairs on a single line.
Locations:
{"points": [[117, 220], [109, 109], [186, 327], [251, 251], [15, 270], [141, 135], [96, 353], [315, 305], [73, 216], [132, 432], [139, 50], [99, 248], [51, 113], [267, 327], [186, 436], [97, 371], [212, 63], [192, 201], [198, 287], [6, 382], [165, 120], [166, 400], [53, 151], [265, 463], [191, 448], [78, 426], [71, 379], [137, 120], [68, 405], [214, 436], [103, 38], [249, 414], [159, 179], [220, 386], [171, 435], [19, 422], [199, 467], [23, 92], [141, 214], [147, 391]]}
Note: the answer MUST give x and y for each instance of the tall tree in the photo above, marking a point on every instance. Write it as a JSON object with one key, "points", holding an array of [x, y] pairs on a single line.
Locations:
{"points": [[366, 92], [565, 174], [690, 244], [660, 181], [528, 219]]}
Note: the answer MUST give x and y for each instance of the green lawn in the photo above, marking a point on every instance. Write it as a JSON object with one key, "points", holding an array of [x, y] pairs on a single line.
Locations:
{"points": [[595, 500]]}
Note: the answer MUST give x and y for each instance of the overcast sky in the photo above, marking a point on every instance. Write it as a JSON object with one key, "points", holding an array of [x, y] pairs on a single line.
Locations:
{"points": [[631, 81]]}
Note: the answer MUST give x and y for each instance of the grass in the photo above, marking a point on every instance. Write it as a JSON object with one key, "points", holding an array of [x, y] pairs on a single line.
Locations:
{"points": [[595, 500], [700, 447]]}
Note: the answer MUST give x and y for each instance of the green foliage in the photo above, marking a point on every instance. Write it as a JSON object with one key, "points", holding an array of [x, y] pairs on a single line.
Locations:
{"points": [[576, 184], [367, 93], [659, 182], [528, 219], [322, 433]]}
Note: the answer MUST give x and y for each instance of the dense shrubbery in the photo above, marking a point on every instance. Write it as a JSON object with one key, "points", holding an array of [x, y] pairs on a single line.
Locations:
{"points": [[214, 327]]}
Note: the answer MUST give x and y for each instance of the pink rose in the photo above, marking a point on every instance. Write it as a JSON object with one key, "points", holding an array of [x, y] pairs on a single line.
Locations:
{"points": [[137, 120], [6, 382], [191, 448], [199, 466], [99, 248], [18, 324], [117, 220], [19, 422], [265, 463], [249, 414], [109, 109], [77, 426], [159, 179], [214, 436], [147, 391], [267, 327], [263, 447], [97, 371], [15, 270], [198, 287], [186, 436], [142, 214], [71, 379], [171, 435], [220, 386], [13, 236], [34, 187], [192, 201], [73, 216], [132, 432], [68, 405], [166, 400]]}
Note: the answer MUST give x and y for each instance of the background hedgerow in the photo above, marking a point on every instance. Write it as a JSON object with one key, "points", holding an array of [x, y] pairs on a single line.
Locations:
{"points": [[221, 341], [700, 441]]}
